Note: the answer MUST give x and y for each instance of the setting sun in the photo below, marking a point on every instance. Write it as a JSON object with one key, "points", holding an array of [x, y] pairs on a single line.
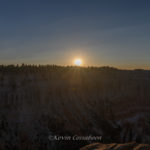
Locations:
{"points": [[78, 62]]}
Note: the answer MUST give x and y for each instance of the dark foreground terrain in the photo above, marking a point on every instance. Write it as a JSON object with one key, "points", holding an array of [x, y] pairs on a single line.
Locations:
{"points": [[114, 146], [38, 103]]}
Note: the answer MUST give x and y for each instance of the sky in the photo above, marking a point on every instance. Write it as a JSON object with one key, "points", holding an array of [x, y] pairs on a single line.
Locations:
{"points": [[100, 32]]}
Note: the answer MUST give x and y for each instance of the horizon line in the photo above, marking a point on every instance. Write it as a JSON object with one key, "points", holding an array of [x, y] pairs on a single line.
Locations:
{"points": [[57, 65]]}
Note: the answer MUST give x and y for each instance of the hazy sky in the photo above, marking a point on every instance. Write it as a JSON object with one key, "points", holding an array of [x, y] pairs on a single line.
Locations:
{"points": [[101, 32]]}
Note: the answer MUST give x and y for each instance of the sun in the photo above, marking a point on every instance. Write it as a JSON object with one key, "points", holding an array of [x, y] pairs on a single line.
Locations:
{"points": [[78, 62]]}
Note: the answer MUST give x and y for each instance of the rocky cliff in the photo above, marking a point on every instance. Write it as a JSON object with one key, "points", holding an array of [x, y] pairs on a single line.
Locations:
{"points": [[36, 102]]}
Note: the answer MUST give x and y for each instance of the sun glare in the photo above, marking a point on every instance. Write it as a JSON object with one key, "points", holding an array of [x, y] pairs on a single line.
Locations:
{"points": [[78, 62]]}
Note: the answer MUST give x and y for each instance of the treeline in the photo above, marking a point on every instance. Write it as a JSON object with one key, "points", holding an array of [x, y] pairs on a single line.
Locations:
{"points": [[38, 68]]}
